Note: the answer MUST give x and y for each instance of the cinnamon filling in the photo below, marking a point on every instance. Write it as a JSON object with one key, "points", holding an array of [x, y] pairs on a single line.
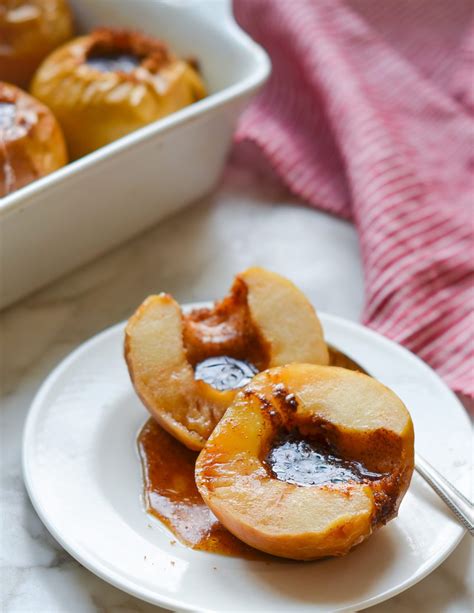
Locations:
{"points": [[226, 330], [226, 349]]}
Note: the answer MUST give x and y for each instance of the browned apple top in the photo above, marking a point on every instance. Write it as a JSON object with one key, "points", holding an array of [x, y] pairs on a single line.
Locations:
{"points": [[113, 50]]}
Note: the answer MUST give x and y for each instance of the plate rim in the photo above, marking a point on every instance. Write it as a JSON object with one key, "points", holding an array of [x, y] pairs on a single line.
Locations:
{"points": [[120, 581]]}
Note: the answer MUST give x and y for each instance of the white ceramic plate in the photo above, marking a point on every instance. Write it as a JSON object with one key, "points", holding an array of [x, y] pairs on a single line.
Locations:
{"points": [[83, 475]]}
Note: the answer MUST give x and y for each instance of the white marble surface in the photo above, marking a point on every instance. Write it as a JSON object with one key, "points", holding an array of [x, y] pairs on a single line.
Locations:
{"points": [[194, 256]]}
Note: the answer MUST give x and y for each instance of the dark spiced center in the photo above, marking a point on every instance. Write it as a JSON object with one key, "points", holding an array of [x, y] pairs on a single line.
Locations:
{"points": [[306, 462], [113, 61], [225, 373]]}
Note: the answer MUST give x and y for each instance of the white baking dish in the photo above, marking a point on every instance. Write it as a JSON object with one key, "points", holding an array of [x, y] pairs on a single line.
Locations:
{"points": [[69, 217]]}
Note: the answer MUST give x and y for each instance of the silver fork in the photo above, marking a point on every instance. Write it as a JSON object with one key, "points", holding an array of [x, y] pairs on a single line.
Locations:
{"points": [[457, 502]]}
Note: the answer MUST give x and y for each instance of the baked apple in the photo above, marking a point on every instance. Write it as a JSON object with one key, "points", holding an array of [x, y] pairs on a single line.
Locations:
{"points": [[187, 367], [29, 31], [111, 82], [32, 144], [308, 461]]}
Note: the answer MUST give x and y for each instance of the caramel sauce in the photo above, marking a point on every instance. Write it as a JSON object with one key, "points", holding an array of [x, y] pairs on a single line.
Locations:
{"points": [[171, 494]]}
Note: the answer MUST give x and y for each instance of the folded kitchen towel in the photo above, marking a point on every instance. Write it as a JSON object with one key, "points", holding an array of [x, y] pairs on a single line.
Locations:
{"points": [[369, 114]]}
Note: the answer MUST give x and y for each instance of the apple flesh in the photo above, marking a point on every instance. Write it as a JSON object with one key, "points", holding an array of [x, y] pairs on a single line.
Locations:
{"points": [[265, 320], [350, 413]]}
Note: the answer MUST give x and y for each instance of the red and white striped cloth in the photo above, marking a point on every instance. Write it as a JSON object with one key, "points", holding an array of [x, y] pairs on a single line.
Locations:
{"points": [[369, 114]]}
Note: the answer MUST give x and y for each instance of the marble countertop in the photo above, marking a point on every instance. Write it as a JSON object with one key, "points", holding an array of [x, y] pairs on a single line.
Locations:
{"points": [[194, 256]]}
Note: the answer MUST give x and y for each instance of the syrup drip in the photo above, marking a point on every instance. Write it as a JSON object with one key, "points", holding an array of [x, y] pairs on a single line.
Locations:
{"points": [[172, 497]]}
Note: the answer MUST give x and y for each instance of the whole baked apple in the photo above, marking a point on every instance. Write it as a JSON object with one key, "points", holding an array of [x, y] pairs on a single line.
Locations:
{"points": [[32, 141], [29, 31], [105, 85]]}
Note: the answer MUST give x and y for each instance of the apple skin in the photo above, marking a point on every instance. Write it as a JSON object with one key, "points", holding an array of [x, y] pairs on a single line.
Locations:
{"points": [[265, 319], [357, 415], [32, 140], [29, 31]]}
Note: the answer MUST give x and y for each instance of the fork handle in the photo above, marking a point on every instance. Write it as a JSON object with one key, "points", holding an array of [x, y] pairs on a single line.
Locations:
{"points": [[457, 502]]}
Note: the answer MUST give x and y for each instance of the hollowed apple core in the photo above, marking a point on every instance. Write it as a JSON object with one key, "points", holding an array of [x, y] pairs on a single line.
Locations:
{"points": [[304, 461], [310, 451], [113, 61], [222, 343], [123, 51], [226, 349]]}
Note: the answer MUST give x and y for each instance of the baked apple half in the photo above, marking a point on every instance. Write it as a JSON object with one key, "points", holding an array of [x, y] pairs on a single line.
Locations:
{"points": [[29, 31], [308, 461], [105, 85], [187, 367], [31, 141]]}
